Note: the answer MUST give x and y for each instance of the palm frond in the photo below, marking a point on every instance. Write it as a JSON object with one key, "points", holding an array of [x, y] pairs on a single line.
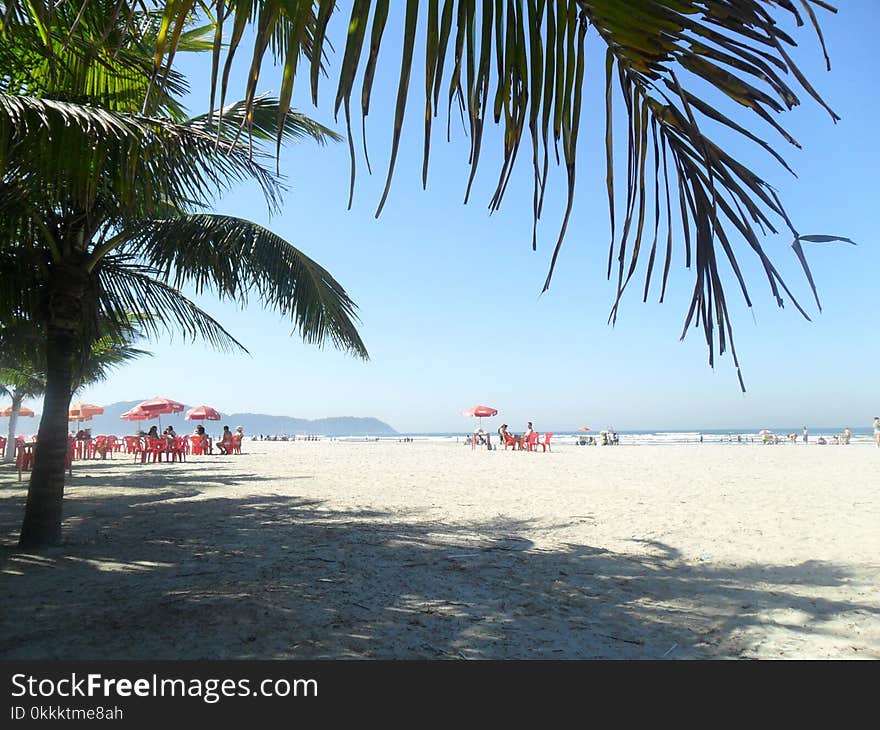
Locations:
{"points": [[92, 51], [262, 123], [522, 64], [128, 289], [237, 259], [72, 153], [23, 355]]}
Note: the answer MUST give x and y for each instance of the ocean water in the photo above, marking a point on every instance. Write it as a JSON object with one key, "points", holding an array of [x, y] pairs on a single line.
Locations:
{"points": [[734, 437]]}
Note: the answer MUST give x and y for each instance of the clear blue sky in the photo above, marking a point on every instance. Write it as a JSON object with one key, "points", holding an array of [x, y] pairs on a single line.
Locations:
{"points": [[449, 299]]}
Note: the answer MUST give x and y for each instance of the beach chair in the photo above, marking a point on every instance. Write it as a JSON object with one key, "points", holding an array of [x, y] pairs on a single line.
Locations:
{"points": [[135, 445], [24, 456], [236, 443], [546, 442], [176, 450], [510, 441], [102, 446], [153, 449], [532, 443], [71, 451]]}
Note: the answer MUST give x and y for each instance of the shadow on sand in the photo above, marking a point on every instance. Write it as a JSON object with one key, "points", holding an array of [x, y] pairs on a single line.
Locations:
{"points": [[175, 571]]}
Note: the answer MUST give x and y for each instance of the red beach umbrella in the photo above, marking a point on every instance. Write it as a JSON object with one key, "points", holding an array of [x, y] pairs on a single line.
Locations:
{"points": [[202, 413], [481, 412], [136, 414], [7, 412], [82, 411], [158, 406]]}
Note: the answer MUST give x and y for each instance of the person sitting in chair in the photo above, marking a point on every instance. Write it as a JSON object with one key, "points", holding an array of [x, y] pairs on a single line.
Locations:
{"points": [[225, 443], [504, 435], [204, 439]]}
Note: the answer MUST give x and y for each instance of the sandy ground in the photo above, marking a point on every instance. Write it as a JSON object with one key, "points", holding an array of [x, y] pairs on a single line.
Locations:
{"points": [[427, 550]]}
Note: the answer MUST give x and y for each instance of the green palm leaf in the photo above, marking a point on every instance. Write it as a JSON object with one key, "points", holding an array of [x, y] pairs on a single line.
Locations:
{"points": [[237, 259], [662, 54], [128, 289]]}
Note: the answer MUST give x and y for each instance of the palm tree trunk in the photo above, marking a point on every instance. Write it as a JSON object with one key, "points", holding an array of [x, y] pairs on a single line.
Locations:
{"points": [[13, 422], [42, 517]]}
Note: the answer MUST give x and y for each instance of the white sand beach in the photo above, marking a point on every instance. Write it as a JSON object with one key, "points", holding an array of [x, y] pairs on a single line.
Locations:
{"points": [[425, 550]]}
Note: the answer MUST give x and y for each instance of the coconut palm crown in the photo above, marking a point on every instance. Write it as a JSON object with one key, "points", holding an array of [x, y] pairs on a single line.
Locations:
{"points": [[105, 202]]}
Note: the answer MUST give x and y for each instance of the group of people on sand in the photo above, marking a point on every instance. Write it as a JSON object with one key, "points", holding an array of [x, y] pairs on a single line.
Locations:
{"points": [[225, 445], [842, 439], [482, 438], [836, 439], [227, 441], [518, 441]]}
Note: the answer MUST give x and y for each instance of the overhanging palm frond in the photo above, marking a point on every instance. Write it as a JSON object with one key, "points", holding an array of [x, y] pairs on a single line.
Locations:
{"points": [[262, 124], [129, 289], [94, 51], [106, 354], [23, 355], [78, 151], [236, 258], [20, 269], [522, 64]]}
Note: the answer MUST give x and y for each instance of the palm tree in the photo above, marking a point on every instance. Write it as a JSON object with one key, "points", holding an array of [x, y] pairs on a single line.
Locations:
{"points": [[522, 64], [19, 383], [103, 211], [23, 365]]}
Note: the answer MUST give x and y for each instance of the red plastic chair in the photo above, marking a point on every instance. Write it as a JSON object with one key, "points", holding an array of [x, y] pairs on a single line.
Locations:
{"points": [[236, 443], [71, 449], [509, 441], [176, 450], [24, 456], [532, 442], [546, 442], [112, 445], [156, 448], [138, 446], [103, 445], [3, 443]]}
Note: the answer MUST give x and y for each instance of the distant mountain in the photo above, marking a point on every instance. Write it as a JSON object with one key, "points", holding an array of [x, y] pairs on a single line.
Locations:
{"points": [[253, 423]]}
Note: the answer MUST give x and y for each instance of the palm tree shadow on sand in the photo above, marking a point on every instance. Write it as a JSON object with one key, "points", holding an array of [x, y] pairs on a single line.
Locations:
{"points": [[181, 573]]}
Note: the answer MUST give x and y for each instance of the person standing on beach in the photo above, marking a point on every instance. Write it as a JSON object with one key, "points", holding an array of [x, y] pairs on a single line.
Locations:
{"points": [[877, 430], [527, 436], [806, 435]]}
